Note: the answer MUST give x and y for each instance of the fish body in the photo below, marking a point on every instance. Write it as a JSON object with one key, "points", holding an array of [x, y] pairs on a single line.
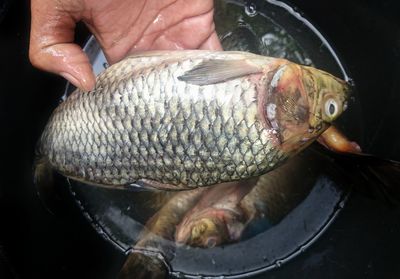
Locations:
{"points": [[185, 119], [222, 215], [158, 235]]}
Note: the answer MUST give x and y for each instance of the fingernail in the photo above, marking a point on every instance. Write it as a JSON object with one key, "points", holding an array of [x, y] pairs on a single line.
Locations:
{"points": [[88, 84], [72, 80], [83, 84]]}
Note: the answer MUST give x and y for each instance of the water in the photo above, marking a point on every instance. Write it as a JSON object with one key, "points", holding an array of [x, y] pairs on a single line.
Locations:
{"points": [[273, 28], [250, 9], [288, 227]]}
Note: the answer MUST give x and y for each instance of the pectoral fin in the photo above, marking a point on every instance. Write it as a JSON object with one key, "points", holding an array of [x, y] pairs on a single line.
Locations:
{"points": [[218, 70]]}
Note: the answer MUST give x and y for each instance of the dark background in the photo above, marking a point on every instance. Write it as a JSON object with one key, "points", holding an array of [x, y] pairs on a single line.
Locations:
{"points": [[362, 243]]}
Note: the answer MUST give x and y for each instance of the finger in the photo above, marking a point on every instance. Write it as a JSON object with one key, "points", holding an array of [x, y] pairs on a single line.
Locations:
{"points": [[51, 42], [67, 60], [212, 43]]}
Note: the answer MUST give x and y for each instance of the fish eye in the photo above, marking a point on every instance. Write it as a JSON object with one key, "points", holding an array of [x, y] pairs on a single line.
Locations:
{"points": [[331, 108]]}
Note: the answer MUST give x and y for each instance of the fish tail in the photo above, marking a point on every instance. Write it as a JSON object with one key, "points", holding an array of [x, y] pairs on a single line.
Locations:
{"points": [[43, 178], [378, 178], [371, 176]]}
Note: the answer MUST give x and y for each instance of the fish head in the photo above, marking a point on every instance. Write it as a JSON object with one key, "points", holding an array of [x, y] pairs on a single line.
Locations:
{"points": [[207, 231], [300, 104]]}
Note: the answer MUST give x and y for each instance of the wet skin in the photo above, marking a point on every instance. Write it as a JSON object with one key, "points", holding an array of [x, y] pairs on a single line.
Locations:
{"points": [[120, 26]]}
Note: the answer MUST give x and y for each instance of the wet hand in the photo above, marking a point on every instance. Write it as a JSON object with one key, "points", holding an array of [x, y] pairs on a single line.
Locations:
{"points": [[120, 26]]}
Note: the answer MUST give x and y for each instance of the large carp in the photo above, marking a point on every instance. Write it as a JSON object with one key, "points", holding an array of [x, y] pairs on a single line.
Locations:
{"points": [[185, 119]]}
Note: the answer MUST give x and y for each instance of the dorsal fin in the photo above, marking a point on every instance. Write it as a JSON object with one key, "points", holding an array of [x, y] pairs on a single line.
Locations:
{"points": [[219, 70]]}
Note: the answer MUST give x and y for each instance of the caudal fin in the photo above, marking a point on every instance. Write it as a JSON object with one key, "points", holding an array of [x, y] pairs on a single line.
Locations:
{"points": [[369, 175], [376, 177]]}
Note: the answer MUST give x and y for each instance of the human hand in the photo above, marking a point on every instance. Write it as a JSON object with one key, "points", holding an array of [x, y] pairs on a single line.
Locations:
{"points": [[120, 26]]}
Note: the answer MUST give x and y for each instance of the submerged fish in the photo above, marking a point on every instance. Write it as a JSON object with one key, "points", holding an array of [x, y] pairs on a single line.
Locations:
{"points": [[217, 217], [228, 215], [185, 119], [158, 236], [222, 218]]}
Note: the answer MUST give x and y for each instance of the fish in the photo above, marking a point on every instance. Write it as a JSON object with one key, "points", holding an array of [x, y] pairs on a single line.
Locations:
{"points": [[208, 217], [228, 214], [156, 244], [275, 194], [174, 224], [178, 120], [216, 218]]}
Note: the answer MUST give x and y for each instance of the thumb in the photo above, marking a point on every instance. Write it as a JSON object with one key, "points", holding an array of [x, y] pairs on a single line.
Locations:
{"points": [[51, 42]]}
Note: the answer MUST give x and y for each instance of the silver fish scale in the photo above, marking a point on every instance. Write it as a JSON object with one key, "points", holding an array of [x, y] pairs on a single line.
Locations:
{"points": [[143, 123]]}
